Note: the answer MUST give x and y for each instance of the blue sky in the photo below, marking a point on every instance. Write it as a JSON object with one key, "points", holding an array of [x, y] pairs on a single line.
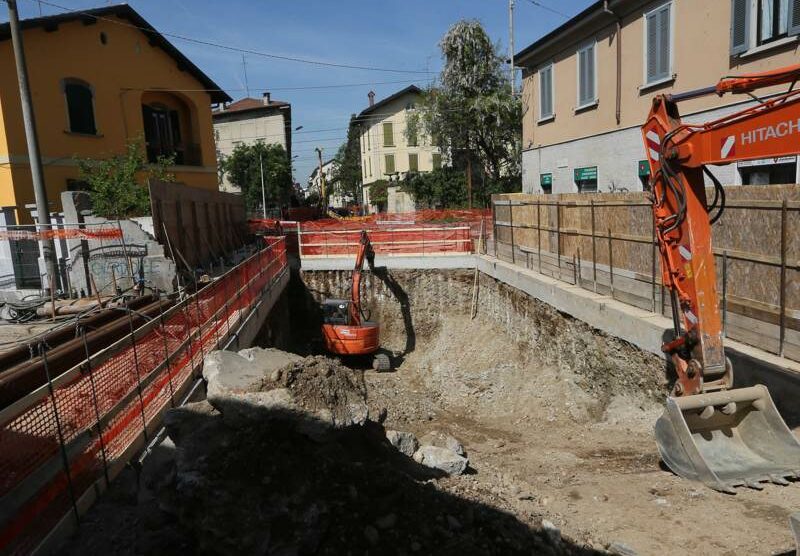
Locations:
{"points": [[396, 34]]}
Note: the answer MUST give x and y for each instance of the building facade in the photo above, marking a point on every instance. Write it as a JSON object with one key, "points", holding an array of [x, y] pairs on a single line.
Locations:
{"points": [[248, 121], [335, 199], [100, 79], [588, 85], [389, 152]]}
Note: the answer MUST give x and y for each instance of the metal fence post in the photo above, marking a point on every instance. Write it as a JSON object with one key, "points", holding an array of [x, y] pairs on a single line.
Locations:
{"points": [[494, 227], [594, 248], [299, 241], [610, 265], [90, 372], [784, 230], [138, 374], [558, 236], [511, 225], [724, 293], [653, 264], [167, 358], [539, 233]]}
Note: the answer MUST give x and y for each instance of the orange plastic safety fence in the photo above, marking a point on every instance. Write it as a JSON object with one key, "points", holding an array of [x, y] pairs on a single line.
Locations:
{"points": [[395, 240], [128, 391], [63, 233]]}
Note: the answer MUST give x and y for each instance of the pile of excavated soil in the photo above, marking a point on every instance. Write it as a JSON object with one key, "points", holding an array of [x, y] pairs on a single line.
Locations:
{"points": [[243, 473]]}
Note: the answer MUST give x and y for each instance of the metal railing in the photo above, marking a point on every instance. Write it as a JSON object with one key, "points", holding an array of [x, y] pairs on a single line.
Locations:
{"points": [[575, 264]]}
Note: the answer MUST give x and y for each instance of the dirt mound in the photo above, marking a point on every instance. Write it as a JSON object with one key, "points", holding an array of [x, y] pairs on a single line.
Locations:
{"points": [[263, 484]]}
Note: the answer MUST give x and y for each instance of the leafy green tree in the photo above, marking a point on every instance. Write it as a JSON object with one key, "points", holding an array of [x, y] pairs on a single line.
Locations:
{"points": [[347, 164], [443, 188], [471, 112], [243, 168], [118, 184], [379, 194]]}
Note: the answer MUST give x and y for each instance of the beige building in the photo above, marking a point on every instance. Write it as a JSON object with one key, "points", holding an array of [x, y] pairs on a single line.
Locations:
{"points": [[588, 85], [387, 150], [248, 121]]}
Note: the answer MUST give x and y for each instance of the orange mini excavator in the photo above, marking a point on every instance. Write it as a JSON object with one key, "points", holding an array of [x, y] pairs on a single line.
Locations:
{"points": [[346, 330], [711, 431]]}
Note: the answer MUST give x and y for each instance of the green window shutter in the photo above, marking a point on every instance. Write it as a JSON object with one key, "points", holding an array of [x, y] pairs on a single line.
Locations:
{"points": [[413, 162], [389, 160], [437, 161], [794, 17], [388, 134], [412, 140], [740, 26]]}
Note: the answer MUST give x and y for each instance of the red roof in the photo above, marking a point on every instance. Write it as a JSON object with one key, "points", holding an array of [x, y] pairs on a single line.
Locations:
{"points": [[250, 104]]}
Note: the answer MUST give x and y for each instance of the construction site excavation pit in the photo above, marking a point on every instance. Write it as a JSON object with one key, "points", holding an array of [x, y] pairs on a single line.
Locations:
{"points": [[315, 455]]}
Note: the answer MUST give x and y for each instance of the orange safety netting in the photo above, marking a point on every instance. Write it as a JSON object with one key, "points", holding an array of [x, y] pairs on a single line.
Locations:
{"points": [[115, 402], [394, 240], [64, 233]]}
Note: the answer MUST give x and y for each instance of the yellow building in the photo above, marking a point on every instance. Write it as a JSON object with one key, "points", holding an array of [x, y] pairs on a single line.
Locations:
{"points": [[100, 78], [388, 152], [588, 85]]}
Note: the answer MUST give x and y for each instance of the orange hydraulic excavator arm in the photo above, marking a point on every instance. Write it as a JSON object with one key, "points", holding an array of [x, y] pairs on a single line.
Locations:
{"points": [[678, 154], [365, 252]]}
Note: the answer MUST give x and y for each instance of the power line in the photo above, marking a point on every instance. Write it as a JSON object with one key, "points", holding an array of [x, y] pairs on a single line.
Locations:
{"points": [[549, 9], [273, 89], [234, 48]]}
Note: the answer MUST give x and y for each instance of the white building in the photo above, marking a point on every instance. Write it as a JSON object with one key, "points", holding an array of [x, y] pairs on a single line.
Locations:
{"points": [[335, 200], [387, 150], [248, 121]]}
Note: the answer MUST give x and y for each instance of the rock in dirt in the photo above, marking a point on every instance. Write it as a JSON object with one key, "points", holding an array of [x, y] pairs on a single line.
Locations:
{"points": [[227, 372], [620, 549], [441, 459], [241, 410], [443, 440], [405, 442]]}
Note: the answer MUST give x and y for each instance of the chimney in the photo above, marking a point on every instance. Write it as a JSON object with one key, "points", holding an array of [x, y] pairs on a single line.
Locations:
{"points": [[266, 97], [371, 96]]}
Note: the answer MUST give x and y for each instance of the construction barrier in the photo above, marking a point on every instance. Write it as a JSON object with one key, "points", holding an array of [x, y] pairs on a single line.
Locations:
{"points": [[392, 241], [95, 233], [65, 441], [421, 232]]}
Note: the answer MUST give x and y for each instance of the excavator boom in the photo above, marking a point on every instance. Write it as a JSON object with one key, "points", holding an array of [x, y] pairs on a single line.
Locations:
{"points": [[709, 431]]}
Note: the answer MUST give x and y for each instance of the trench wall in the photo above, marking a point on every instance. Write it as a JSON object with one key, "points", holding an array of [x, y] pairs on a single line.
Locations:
{"points": [[409, 305]]}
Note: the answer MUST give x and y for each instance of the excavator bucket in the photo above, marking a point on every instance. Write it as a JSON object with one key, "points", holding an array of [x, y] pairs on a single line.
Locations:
{"points": [[728, 438]]}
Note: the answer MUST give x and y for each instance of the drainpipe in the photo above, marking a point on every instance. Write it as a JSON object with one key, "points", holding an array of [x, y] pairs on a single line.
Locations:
{"points": [[619, 60]]}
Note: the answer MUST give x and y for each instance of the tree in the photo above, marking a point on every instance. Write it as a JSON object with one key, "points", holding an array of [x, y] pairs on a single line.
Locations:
{"points": [[446, 188], [471, 112], [379, 194], [347, 164], [113, 185], [243, 168]]}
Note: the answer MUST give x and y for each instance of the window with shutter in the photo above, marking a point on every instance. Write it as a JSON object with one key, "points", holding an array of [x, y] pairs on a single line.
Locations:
{"points": [[389, 163], [80, 106], [436, 161], [586, 76], [794, 17], [740, 26], [388, 134], [413, 162], [546, 92], [658, 45]]}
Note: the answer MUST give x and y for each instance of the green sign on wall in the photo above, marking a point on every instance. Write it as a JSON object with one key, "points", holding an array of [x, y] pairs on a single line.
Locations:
{"points": [[585, 174], [644, 168], [546, 180]]}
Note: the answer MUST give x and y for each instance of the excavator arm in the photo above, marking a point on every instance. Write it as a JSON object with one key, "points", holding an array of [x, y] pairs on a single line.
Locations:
{"points": [[710, 432], [365, 252]]}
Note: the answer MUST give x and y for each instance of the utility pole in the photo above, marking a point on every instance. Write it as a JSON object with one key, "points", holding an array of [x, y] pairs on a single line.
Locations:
{"points": [[34, 157], [263, 194], [323, 199], [244, 68], [511, 45]]}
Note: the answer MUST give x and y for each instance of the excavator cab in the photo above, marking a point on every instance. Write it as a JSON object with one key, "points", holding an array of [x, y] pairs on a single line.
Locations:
{"points": [[711, 431], [335, 311]]}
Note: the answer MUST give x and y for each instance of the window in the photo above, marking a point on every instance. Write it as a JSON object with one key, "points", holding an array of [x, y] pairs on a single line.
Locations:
{"points": [[546, 183], [80, 107], [546, 92], [586, 179], [658, 44], [369, 166], [389, 163], [413, 141], [758, 22], [768, 171], [369, 141], [162, 133], [587, 80], [413, 162], [436, 161], [388, 134]]}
